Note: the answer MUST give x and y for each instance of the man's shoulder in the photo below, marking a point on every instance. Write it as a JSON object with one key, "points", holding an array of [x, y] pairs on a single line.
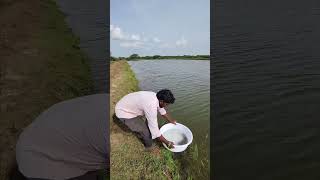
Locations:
{"points": [[146, 93], [143, 96], [149, 98]]}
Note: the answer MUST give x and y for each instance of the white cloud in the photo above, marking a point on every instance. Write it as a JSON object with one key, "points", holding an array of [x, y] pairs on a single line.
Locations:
{"points": [[135, 37], [165, 45], [156, 40], [130, 40], [132, 44], [181, 42], [145, 39], [116, 33]]}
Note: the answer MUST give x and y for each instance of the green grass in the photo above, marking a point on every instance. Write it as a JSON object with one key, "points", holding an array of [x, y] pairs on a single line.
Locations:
{"points": [[66, 71], [130, 79]]}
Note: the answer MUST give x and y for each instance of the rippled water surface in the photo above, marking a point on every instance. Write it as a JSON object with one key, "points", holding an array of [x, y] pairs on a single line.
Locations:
{"points": [[189, 80], [266, 93]]}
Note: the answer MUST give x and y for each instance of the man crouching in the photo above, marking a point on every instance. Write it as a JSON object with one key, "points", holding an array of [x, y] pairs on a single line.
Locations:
{"points": [[134, 108]]}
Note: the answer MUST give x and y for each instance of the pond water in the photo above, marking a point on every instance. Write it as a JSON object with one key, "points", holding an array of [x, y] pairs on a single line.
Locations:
{"points": [[266, 90]]}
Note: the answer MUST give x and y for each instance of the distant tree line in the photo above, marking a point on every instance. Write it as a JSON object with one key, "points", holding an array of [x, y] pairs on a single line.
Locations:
{"points": [[137, 57]]}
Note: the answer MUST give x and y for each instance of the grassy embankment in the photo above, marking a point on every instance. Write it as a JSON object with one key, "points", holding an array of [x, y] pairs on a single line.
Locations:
{"points": [[41, 64], [128, 159]]}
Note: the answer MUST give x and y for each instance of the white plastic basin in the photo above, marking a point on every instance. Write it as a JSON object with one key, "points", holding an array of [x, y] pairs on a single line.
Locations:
{"points": [[179, 134]]}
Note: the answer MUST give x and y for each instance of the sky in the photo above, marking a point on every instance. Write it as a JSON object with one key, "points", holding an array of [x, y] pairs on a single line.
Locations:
{"points": [[159, 27]]}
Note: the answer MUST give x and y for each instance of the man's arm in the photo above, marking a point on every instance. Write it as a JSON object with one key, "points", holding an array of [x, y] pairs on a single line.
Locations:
{"points": [[169, 118], [168, 143], [151, 115]]}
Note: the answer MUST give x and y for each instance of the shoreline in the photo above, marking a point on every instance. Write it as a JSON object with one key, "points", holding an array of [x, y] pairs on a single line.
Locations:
{"points": [[42, 65], [128, 158]]}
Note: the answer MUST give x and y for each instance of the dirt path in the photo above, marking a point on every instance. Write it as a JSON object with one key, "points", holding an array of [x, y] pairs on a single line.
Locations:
{"points": [[19, 21], [40, 65]]}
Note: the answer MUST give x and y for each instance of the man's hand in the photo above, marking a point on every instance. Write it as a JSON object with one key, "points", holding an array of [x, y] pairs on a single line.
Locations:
{"points": [[169, 119], [170, 145], [174, 122]]}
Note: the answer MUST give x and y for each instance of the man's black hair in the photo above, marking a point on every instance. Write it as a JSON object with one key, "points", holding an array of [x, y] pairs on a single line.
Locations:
{"points": [[166, 95]]}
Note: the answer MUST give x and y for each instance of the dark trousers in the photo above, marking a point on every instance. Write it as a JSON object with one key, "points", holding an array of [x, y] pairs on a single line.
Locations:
{"points": [[139, 125]]}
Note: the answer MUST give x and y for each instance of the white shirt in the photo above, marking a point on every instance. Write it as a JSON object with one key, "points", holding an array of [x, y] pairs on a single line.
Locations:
{"points": [[138, 104]]}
